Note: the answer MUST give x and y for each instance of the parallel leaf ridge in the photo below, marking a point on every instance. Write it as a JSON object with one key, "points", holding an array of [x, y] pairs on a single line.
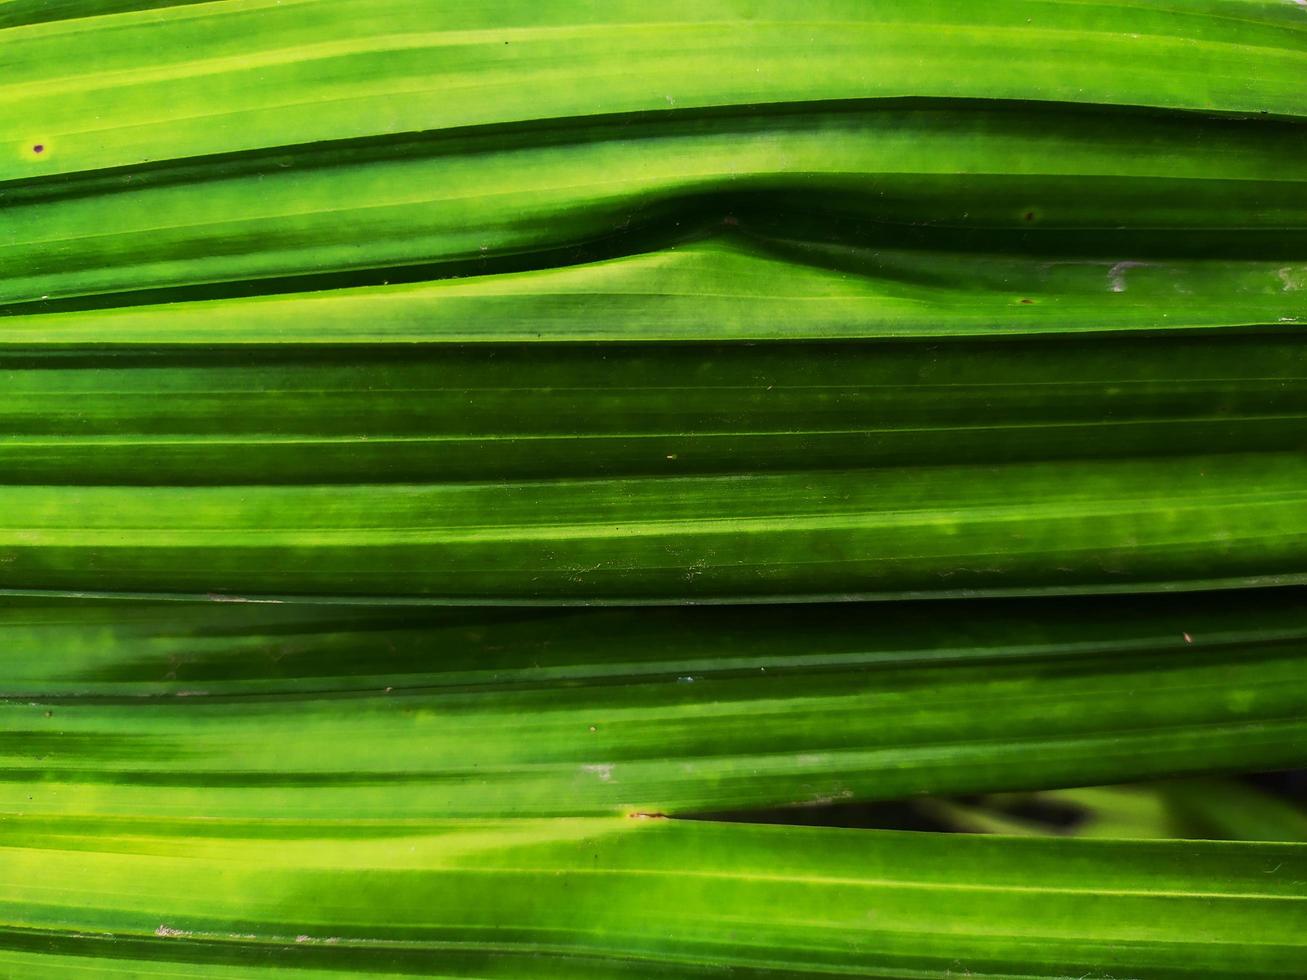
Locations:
{"points": [[457, 458]]}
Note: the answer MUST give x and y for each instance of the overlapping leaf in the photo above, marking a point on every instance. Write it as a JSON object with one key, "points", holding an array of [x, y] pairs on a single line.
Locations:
{"points": [[435, 304], [1159, 211], [336, 711], [634, 898]]}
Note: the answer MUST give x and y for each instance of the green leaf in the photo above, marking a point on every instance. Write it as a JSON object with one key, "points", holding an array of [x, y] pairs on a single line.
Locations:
{"points": [[1068, 526], [634, 898], [218, 142], [344, 711], [1118, 188], [487, 313], [731, 289], [190, 79], [195, 413], [1019, 199]]}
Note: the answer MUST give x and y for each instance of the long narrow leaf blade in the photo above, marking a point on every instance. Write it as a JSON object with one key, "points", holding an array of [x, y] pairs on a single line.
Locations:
{"points": [[635, 898], [189, 79], [1116, 187], [196, 412], [343, 711], [962, 530]]}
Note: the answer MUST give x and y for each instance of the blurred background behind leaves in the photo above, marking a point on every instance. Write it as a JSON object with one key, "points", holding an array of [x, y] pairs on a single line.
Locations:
{"points": [[1257, 807]]}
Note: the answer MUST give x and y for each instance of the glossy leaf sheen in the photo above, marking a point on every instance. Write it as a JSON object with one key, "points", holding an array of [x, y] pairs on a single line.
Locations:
{"points": [[1023, 527], [189, 79], [1052, 182], [195, 415], [634, 898], [575, 303], [731, 289], [1041, 231], [336, 711]]}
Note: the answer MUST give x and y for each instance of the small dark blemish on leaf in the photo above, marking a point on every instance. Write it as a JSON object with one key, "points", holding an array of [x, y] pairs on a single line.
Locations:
{"points": [[1027, 301]]}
